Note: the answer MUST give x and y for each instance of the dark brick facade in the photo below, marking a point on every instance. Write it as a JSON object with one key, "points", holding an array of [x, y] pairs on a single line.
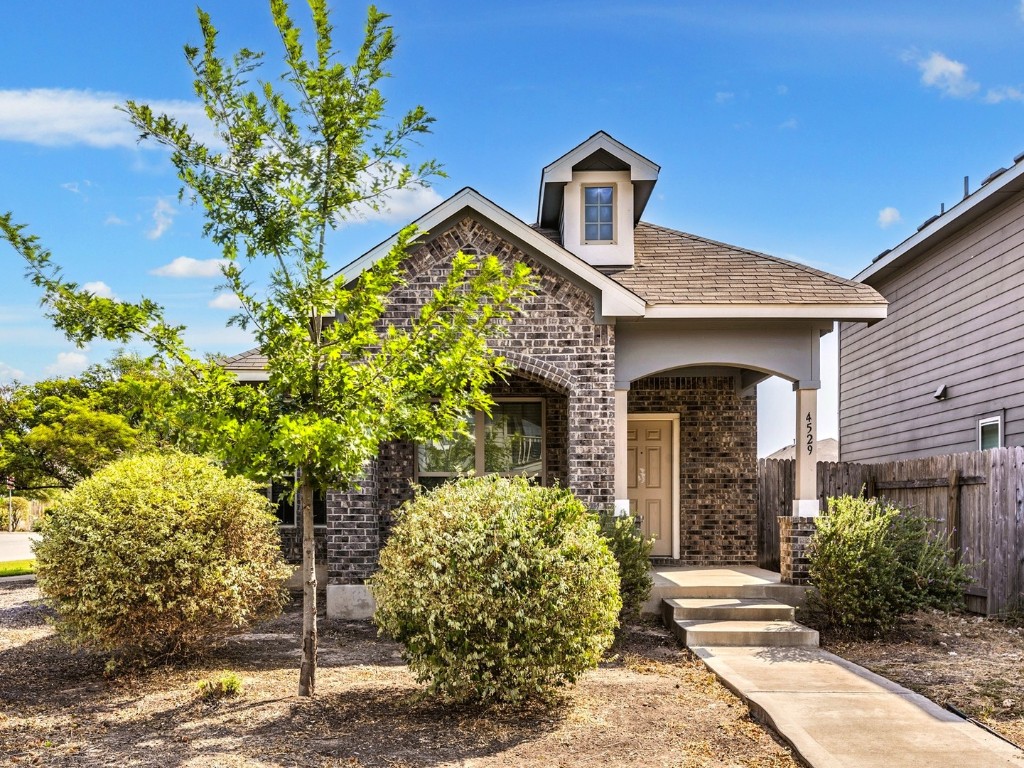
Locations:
{"points": [[559, 352], [717, 464], [794, 536], [562, 355]]}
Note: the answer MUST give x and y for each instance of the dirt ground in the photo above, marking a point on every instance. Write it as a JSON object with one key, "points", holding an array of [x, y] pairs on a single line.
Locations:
{"points": [[970, 662], [652, 704]]}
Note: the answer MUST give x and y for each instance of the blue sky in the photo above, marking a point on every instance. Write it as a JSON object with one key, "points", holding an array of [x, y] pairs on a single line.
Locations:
{"points": [[820, 132]]}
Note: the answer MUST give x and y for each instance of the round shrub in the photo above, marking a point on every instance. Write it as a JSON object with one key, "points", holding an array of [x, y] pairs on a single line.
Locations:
{"points": [[498, 589], [873, 563], [158, 555], [632, 552]]}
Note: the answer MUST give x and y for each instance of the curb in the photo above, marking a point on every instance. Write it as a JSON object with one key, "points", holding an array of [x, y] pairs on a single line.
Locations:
{"points": [[23, 577]]}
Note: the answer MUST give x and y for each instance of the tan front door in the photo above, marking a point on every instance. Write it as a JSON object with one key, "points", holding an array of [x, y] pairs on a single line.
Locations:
{"points": [[649, 465]]}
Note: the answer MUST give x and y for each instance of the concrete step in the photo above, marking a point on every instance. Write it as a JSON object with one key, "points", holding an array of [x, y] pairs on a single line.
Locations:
{"points": [[729, 609], [775, 634]]}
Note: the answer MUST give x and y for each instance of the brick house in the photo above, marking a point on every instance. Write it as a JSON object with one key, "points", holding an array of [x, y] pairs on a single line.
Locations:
{"points": [[635, 367]]}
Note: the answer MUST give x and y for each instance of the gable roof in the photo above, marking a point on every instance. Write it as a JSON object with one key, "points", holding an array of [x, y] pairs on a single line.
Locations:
{"points": [[598, 153], [683, 275], [999, 187], [616, 300]]}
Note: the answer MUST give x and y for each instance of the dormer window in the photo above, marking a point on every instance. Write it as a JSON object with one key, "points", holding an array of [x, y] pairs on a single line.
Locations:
{"points": [[598, 214]]}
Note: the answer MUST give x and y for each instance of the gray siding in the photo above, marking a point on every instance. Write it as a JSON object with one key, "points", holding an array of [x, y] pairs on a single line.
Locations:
{"points": [[956, 317]]}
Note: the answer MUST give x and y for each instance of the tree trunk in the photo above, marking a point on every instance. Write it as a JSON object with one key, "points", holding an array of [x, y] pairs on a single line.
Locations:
{"points": [[307, 672]]}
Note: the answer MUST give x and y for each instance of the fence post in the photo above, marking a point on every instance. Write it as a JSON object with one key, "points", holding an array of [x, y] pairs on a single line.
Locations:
{"points": [[953, 515]]}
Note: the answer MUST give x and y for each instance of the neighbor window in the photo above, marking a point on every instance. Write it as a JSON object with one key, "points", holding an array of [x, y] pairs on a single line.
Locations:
{"points": [[598, 215], [508, 442], [287, 508], [990, 433]]}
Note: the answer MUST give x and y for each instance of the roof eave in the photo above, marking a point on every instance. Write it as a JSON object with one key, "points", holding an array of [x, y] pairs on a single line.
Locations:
{"points": [[959, 216], [826, 311]]}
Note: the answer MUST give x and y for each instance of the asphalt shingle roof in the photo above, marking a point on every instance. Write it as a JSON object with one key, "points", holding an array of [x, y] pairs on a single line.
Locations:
{"points": [[672, 267]]}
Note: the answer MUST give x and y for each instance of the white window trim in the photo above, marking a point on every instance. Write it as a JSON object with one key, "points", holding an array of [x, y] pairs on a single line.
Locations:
{"points": [[988, 421], [583, 211], [479, 438]]}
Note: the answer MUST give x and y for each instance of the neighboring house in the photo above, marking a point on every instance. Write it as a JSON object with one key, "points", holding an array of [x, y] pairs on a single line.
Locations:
{"points": [[944, 373], [827, 450], [635, 365]]}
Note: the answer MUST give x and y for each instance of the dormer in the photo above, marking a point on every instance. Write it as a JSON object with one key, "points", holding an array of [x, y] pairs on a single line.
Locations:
{"points": [[594, 196]]}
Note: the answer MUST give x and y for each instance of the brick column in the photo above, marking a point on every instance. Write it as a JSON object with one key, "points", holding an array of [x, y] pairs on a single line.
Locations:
{"points": [[794, 536], [353, 538]]}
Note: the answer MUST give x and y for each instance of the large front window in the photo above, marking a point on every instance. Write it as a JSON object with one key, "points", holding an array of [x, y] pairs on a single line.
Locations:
{"points": [[508, 442]]}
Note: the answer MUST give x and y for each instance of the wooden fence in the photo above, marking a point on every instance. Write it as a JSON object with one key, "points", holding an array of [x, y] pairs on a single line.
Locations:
{"points": [[976, 499]]}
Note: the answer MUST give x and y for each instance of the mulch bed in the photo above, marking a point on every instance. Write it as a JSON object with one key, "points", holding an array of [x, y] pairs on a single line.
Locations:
{"points": [[651, 704]]}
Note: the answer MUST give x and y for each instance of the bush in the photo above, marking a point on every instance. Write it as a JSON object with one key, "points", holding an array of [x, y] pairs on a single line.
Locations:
{"points": [[159, 555], [227, 685], [872, 563], [499, 590], [632, 552]]}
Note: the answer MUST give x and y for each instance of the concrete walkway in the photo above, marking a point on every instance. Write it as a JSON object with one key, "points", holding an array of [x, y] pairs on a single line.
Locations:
{"points": [[835, 714]]}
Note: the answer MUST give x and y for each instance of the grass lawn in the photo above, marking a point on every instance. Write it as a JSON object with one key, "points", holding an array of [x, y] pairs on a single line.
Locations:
{"points": [[17, 567]]}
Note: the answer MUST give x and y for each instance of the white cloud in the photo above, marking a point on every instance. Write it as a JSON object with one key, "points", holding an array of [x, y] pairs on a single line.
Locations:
{"points": [[99, 288], [114, 221], [724, 97], [9, 373], [947, 75], [782, 90], [76, 187], [1020, 10], [888, 216], [1003, 93], [185, 266], [68, 364], [163, 217], [55, 117], [789, 125], [225, 300], [401, 206]]}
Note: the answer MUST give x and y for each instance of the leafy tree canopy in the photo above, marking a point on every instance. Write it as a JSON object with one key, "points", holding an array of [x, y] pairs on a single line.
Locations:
{"points": [[56, 432], [293, 155]]}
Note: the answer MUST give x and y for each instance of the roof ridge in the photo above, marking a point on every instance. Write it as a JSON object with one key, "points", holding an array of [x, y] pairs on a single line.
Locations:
{"points": [[805, 267]]}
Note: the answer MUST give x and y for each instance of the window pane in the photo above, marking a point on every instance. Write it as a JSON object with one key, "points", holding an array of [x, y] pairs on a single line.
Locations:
{"points": [[605, 232], [592, 213], [591, 195], [514, 439], [604, 195], [591, 232], [319, 508], [283, 506], [452, 456], [989, 436]]}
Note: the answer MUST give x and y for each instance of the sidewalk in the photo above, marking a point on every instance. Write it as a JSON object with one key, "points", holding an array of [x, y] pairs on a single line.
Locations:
{"points": [[835, 714]]}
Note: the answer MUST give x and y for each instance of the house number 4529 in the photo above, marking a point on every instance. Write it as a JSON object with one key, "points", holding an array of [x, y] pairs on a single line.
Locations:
{"points": [[809, 423]]}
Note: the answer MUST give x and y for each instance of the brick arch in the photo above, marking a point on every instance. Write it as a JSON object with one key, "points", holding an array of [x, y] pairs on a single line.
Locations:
{"points": [[540, 371]]}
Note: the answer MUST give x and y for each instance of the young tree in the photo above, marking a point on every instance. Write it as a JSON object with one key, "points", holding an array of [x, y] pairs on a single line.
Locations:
{"points": [[293, 159]]}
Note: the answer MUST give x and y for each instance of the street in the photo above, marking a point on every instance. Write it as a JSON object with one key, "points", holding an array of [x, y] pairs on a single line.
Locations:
{"points": [[16, 546]]}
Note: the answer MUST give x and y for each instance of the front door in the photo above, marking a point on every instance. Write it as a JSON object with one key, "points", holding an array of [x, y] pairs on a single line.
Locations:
{"points": [[649, 465]]}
